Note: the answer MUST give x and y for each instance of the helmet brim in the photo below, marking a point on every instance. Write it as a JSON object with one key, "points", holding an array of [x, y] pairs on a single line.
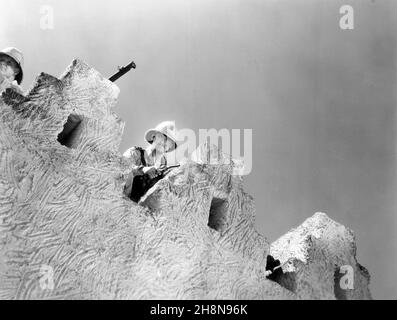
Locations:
{"points": [[152, 132]]}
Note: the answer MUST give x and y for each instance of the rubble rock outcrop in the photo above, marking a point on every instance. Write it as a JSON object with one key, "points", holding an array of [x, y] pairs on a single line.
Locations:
{"points": [[67, 231], [318, 261]]}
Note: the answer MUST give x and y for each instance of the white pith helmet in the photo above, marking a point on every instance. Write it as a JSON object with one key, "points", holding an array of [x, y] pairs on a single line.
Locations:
{"points": [[17, 56], [167, 128]]}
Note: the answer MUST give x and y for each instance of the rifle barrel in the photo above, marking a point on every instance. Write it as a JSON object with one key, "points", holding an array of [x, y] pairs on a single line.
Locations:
{"points": [[122, 71]]}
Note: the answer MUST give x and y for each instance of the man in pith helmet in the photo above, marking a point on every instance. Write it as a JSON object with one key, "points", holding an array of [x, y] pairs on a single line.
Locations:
{"points": [[11, 69], [150, 163]]}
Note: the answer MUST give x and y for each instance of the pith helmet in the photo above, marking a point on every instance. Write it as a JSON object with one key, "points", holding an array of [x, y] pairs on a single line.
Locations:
{"points": [[17, 56], [167, 128]]}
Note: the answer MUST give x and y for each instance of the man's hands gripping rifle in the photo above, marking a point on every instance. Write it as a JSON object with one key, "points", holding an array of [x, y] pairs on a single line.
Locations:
{"points": [[162, 171], [143, 183]]}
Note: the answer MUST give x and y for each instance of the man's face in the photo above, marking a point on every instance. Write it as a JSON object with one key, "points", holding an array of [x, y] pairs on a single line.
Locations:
{"points": [[162, 143], [8, 68]]}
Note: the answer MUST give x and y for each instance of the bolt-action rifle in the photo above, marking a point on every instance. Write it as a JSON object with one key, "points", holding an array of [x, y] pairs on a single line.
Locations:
{"points": [[122, 71], [143, 183]]}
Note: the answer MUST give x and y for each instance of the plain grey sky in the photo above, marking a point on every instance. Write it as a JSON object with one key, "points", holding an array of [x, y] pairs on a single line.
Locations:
{"points": [[321, 101]]}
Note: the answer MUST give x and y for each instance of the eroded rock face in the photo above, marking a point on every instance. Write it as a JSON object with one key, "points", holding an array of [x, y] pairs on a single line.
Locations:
{"points": [[68, 232], [319, 261]]}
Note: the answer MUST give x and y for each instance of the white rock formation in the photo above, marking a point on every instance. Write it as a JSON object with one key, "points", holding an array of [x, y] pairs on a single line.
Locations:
{"points": [[318, 258], [68, 232]]}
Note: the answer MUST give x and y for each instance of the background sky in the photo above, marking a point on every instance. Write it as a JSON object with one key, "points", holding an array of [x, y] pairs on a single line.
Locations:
{"points": [[321, 101]]}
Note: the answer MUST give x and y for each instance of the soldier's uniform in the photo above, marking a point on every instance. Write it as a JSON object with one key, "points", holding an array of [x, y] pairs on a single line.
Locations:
{"points": [[140, 159], [138, 182]]}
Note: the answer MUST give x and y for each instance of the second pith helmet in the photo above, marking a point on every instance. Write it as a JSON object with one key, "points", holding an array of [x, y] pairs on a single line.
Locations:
{"points": [[17, 56]]}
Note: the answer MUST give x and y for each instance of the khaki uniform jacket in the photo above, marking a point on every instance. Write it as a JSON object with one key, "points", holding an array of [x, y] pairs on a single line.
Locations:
{"points": [[134, 154]]}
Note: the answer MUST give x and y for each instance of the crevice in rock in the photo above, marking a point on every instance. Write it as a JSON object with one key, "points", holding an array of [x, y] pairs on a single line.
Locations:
{"points": [[284, 279], [71, 131]]}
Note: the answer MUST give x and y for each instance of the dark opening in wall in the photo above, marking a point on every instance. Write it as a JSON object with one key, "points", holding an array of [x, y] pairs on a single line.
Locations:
{"points": [[217, 216], [71, 131], [284, 279]]}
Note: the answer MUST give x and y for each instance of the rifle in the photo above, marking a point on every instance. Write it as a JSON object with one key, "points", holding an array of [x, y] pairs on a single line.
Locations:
{"points": [[142, 183], [164, 170], [122, 71]]}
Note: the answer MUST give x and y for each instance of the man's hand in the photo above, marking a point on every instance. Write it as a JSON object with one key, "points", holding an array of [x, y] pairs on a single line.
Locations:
{"points": [[152, 172]]}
